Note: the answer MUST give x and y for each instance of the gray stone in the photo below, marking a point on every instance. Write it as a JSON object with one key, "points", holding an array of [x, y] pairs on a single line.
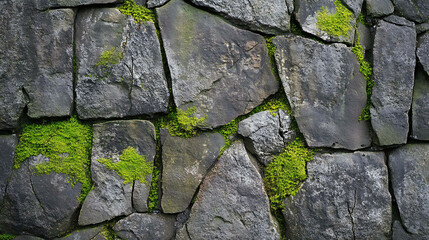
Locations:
{"points": [[266, 134], [7, 155], [36, 68], [82, 234], [232, 203], [46, 4], [27, 237], [415, 10], [399, 233], [140, 226], [156, 3], [409, 169], [379, 8], [346, 196], [423, 27], [326, 91], [185, 163], [40, 205], [423, 51], [394, 48], [131, 81], [306, 12], [420, 106], [110, 197], [365, 36], [269, 16], [206, 57]]}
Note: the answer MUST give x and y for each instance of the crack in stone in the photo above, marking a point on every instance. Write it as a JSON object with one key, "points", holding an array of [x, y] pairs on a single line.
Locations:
{"points": [[351, 214]]}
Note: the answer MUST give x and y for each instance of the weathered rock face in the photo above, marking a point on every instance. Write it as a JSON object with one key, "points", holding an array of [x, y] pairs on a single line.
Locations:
{"points": [[185, 163], [111, 197], [46, 4], [120, 71], [266, 134], [206, 56], [307, 11], [379, 8], [139, 226], [346, 196], [41, 205], [7, 154], [394, 48], [423, 51], [415, 10], [409, 168], [420, 106], [232, 203], [269, 16], [156, 3], [38, 47], [326, 91], [89, 233], [399, 233]]}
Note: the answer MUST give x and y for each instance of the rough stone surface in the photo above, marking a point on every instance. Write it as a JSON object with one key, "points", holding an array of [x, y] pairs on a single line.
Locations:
{"points": [[266, 134], [365, 36], [36, 67], [394, 48], [46, 4], [379, 8], [40, 205], [423, 51], [326, 91], [270, 16], [132, 85], [7, 154], [409, 169], [84, 234], [206, 57], [306, 12], [423, 27], [185, 163], [111, 197], [346, 196], [420, 107], [232, 203], [415, 10], [27, 237], [156, 3], [139, 226]]}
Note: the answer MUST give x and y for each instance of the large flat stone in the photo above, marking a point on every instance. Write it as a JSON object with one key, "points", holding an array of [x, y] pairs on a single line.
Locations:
{"points": [[131, 80], [326, 91], [409, 169], [346, 196], [394, 48], [7, 154], [221, 70], [415, 10]]}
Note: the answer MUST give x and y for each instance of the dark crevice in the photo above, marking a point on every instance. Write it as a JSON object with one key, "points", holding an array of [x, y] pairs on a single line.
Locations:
{"points": [[132, 194], [75, 63], [187, 231], [351, 210]]}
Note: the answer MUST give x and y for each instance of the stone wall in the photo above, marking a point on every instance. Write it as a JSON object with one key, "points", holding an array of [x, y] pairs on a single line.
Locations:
{"points": [[214, 119]]}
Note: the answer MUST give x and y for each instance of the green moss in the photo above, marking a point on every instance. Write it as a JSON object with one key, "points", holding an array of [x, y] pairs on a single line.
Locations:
{"points": [[138, 12], [131, 166], [6, 237], [271, 53], [108, 232], [109, 58], [284, 174], [366, 70], [153, 194], [335, 24], [181, 123], [67, 144]]}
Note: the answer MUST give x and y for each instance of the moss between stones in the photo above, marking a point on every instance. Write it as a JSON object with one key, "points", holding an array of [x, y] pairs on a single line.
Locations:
{"points": [[138, 12], [6, 237], [131, 166], [108, 232], [181, 123], [336, 24], [153, 199], [67, 144]]}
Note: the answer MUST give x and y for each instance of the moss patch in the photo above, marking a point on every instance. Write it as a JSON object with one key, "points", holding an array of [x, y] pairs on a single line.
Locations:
{"points": [[67, 144], [109, 58], [181, 123], [138, 12], [153, 194], [6, 237], [335, 24], [131, 166], [284, 174], [108, 232]]}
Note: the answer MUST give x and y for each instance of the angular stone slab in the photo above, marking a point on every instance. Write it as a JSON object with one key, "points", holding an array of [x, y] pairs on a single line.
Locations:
{"points": [[36, 67], [7, 155], [140, 226], [185, 163], [270, 16], [207, 57], [379, 8], [131, 81], [394, 48], [409, 169], [46, 4], [420, 106], [306, 12], [40, 205], [326, 91], [346, 196], [83, 234], [266, 134], [232, 202], [110, 197], [415, 10], [423, 51]]}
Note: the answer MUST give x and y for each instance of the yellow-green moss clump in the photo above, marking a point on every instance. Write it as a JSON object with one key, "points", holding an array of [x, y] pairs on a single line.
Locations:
{"points": [[335, 24], [109, 58], [138, 12], [181, 123], [284, 174], [6, 237], [67, 144], [132, 166], [153, 194]]}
